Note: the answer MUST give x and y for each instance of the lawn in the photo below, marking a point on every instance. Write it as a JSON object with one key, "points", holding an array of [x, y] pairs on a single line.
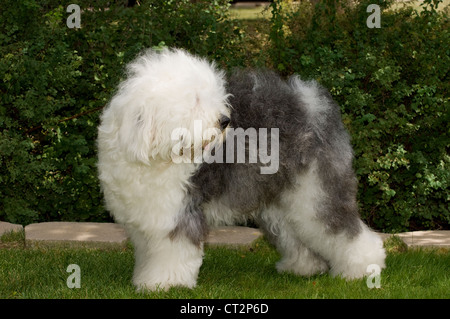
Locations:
{"points": [[232, 273]]}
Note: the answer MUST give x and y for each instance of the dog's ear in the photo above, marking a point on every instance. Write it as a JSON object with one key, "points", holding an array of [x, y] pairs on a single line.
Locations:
{"points": [[137, 133]]}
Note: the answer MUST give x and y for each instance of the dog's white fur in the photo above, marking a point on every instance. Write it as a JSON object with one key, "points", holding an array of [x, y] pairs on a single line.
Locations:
{"points": [[308, 247], [144, 189]]}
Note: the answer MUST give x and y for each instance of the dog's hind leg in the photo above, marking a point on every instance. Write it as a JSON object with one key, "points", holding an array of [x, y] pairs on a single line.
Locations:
{"points": [[337, 235], [295, 256]]}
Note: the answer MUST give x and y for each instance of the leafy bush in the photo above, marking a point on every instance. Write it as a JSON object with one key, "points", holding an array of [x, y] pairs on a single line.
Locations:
{"points": [[392, 84], [57, 79]]}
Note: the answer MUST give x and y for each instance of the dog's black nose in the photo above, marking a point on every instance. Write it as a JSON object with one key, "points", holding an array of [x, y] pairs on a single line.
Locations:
{"points": [[224, 121]]}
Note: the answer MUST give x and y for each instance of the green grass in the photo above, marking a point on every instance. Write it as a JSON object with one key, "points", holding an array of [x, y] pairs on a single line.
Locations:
{"points": [[226, 273]]}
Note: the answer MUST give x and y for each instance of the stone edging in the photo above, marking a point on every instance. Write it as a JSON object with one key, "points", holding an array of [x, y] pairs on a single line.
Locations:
{"points": [[73, 234]]}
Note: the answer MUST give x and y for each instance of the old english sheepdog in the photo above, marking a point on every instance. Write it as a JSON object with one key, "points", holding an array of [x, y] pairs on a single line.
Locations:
{"points": [[181, 148]]}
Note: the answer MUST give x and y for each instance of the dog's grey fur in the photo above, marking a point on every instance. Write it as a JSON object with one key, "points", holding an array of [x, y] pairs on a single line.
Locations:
{"points": [[261, 99]]}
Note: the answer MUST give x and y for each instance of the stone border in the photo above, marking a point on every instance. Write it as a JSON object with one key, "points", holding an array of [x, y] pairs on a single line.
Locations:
{"points": [[232, 236], [111, 235], [6, 227], [73, 234]]}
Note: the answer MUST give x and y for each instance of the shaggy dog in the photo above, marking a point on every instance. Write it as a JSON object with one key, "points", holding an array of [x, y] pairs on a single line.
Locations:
{"points": [[181, 148]]}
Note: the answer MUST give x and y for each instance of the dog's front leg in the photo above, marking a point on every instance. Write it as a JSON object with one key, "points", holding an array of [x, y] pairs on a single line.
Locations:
{"points": [[162, 261]]}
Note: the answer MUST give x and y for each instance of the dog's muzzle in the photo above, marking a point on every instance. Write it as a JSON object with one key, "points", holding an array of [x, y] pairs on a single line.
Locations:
{"points": [[223, 122]]}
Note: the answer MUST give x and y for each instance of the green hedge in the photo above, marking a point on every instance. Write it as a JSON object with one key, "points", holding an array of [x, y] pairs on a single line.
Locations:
{"points": [[392, 84], [55, 80]]}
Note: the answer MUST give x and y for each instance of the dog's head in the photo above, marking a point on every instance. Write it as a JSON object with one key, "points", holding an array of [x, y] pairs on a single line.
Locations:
{"points": [[171, 102]]}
